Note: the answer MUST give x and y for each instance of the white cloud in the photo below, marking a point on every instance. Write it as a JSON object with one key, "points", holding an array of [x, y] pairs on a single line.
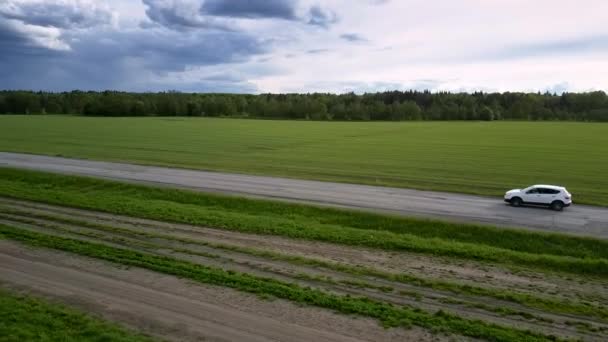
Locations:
{"points": [[46, 37], [57, 13], [462, 45], [43, 23]]}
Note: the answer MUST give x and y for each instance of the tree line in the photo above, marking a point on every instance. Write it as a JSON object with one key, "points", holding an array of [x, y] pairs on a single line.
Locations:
{"points": [[391, 105]]}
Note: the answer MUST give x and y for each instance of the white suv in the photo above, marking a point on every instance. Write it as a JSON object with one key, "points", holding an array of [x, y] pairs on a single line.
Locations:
{"points": [[556, 197]]}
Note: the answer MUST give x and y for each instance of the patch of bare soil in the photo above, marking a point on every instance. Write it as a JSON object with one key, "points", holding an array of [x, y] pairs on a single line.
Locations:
{"points": [[179, 310]]}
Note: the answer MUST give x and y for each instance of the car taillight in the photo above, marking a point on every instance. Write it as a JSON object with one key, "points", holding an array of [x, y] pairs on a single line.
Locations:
{"points": [[567, 197]]}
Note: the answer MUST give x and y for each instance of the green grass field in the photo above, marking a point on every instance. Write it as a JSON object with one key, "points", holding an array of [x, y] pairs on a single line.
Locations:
{"points": [[471, 157]]}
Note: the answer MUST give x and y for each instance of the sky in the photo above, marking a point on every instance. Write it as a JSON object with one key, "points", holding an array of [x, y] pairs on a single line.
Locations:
{"points": [[284, 46]]}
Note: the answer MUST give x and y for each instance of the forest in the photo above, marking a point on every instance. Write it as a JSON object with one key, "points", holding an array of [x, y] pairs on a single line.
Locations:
{"points": [[381, 106]]}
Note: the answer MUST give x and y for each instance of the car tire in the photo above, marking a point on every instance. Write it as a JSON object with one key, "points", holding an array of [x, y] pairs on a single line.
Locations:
{"points": [[516, 202], [557, 205]]}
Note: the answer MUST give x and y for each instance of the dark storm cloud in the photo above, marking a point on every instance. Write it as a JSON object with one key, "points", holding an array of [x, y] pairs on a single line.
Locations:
{"points": [[321, 17], [169, 51], [222, 14], [281, 9], [353, 37], [47, 51], [125, 61], [15, 45], [61, 14], [180, 15], [10, 40], [61, 45], [17, 38]]}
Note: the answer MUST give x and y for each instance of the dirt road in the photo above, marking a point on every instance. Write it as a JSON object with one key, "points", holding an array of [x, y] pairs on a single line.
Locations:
{"points": [[302, 262], [175, 309], [578, 219]]}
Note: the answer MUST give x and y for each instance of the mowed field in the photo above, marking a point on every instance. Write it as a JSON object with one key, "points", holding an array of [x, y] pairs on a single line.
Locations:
{"points": [[470, 157]]}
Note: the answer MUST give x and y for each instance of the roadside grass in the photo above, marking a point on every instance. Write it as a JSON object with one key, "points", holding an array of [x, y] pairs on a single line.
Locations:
{"points": [[26, 318], [484, 158], [532, 301], [388, 315], [535, 250]]}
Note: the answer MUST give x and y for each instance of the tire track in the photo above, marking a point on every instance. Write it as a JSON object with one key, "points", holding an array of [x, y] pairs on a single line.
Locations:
{"points": [[134, 237]]}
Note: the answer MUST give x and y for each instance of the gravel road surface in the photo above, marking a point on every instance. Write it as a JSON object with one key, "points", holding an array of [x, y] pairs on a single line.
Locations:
{"points": [[578, 219]]}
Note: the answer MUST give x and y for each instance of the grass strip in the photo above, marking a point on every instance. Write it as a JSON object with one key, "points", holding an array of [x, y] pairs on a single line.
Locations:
{"points": [[500, 310], [531, 301], [388, 314], [25, 318], [544, 304]]}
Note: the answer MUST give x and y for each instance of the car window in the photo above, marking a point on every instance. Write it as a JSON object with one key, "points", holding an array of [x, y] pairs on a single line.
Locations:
{"points": [[532, 191], [548, 191]]}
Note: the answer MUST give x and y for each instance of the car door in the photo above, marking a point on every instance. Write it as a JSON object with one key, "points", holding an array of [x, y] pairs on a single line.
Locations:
{"points": [[531, 195], [547, 196], [543, 196]]}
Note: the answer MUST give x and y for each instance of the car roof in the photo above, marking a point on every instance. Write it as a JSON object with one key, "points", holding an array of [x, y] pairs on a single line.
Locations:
{"points": [[556, 187]]}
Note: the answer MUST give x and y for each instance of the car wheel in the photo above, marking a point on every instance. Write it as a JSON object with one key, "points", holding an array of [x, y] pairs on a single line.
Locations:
{"points": [[557, 206], [516, 201]]}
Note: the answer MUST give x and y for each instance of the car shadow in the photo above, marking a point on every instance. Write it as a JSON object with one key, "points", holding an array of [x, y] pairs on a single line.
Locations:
{"points": [[533, 206]]}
